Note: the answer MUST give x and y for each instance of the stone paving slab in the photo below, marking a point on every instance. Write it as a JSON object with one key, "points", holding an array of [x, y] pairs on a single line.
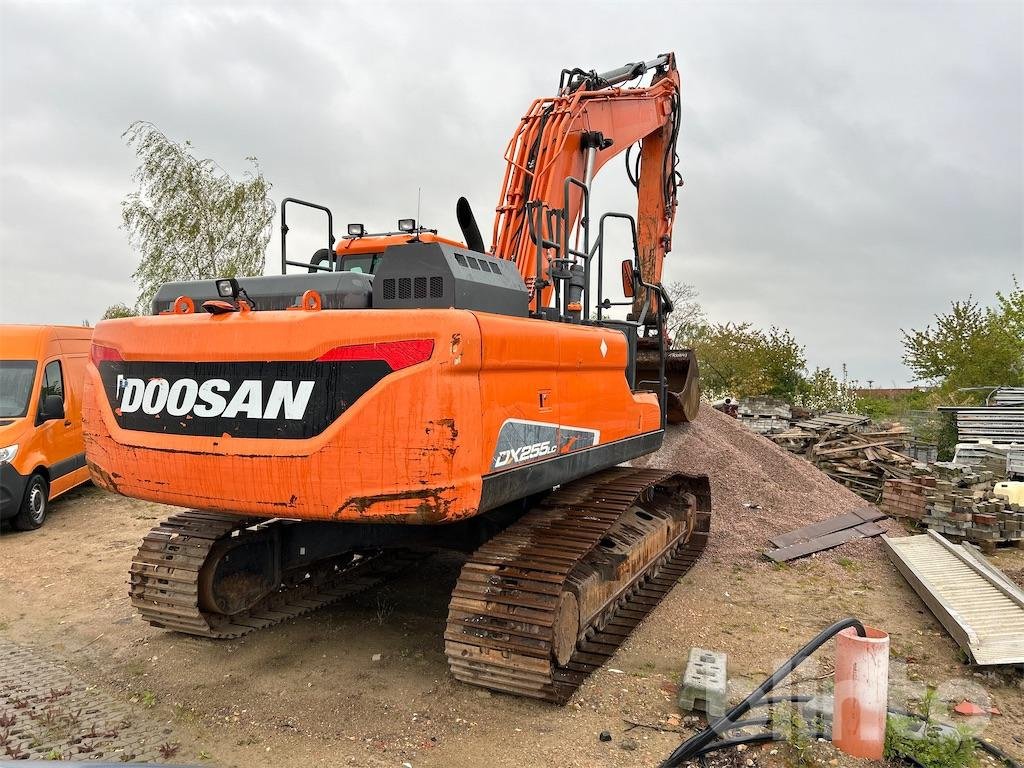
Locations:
{"points": [[47, 712]]}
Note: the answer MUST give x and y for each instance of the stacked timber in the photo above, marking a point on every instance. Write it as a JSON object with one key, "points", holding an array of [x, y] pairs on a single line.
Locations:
{"points": [[841, 446]]}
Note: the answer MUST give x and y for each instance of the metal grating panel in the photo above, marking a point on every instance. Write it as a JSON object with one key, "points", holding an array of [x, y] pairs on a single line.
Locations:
{"points": [[978, 606], [436, 287]]}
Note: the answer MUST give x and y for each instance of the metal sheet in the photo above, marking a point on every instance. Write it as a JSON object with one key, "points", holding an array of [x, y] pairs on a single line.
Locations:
{"points": [[980, 608]]}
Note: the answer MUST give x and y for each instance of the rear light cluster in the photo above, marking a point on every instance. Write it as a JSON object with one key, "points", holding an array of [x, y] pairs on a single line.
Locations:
{"points": [[397, 354], [100, 353]]}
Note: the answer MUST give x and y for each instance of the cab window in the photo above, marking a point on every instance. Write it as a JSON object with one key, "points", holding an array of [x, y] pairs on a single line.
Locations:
{"points": [[365, 263], [53, 381], [16, 380]]}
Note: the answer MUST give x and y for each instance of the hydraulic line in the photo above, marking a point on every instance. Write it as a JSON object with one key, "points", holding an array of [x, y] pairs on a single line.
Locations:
{"points": [[703, 743], [693, 746]]}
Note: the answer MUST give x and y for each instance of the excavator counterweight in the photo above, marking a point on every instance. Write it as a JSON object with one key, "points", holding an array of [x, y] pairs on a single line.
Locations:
{"points": [[407, 392]]}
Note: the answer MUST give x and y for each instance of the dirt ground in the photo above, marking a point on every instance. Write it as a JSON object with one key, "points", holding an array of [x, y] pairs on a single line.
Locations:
{"points": [[309, 693]]}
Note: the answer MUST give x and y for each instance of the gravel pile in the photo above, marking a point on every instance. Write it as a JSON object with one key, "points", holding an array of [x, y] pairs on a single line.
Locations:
{"points": [[783, 491]]}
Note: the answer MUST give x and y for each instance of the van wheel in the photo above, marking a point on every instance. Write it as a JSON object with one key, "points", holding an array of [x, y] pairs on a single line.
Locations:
{"points": [[33, 506]]}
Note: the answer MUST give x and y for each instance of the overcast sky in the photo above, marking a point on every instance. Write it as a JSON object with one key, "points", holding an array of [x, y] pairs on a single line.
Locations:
{"points": [[849, 167]]}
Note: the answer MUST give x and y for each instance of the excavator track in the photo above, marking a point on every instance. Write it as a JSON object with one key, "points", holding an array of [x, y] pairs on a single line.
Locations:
{"points": [[165, 577], [550, 599]]}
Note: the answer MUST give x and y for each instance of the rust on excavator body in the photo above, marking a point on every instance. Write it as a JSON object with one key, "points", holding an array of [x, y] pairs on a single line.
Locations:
{"points": [[416, 447]]}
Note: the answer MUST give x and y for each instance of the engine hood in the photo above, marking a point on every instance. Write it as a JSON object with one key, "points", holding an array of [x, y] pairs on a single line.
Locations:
{"points": [[12, 430]]}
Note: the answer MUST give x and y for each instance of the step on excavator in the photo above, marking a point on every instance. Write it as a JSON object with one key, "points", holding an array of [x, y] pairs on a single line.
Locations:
{"points": [[403, 392]]}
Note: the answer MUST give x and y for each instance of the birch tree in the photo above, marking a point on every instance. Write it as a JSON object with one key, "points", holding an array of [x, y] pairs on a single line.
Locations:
{"points": [[188, 218]]}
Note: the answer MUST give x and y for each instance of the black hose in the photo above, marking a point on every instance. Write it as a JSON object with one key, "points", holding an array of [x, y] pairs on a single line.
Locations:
{"points": [[756, 738], [996, 752], [703, 743], [695, 744]]}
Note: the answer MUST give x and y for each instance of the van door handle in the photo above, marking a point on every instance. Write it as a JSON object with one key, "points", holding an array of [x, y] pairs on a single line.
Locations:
{"points": [[67, 422]]}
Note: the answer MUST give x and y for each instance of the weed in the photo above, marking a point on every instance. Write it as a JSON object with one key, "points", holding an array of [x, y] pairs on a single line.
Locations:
{"points": [[168, 750], [185, 715], [7, 719], [148, 699], [15, 752], [384, 609], [927, 744], [49, 717], [847, 563], [54, 754], [923, 741], [204, 755], [787, 722], [56, 693]]}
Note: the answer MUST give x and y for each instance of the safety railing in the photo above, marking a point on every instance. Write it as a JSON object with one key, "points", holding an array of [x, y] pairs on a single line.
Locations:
{"points": [[332, 258]]}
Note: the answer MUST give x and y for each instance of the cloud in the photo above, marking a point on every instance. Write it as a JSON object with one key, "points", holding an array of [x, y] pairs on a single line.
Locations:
{"points": [[849, 169]]}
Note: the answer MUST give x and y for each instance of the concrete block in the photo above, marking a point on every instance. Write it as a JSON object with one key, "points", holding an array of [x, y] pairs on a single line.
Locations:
{"points": [[705, 684]]}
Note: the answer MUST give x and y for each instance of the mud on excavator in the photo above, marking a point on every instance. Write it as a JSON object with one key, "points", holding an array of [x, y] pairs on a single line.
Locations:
{"points": [[406, 392]]}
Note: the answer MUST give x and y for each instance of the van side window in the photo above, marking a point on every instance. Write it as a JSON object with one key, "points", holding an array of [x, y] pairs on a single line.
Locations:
{"points": [[53, 381]]}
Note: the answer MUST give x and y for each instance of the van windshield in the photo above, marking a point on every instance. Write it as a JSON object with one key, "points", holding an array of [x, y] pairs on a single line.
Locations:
{"points": [[16, 378]]}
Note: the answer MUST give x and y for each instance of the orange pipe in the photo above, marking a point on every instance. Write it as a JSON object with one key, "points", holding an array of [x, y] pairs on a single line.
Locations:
{"points": [[861, 693]]}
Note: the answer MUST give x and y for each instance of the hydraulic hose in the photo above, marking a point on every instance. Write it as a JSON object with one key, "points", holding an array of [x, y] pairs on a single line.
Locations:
{"points": [[703, 743], [694, 746]]}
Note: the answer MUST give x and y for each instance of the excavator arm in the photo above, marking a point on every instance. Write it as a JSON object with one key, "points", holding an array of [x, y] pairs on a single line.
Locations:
{"points": [[594, 118]]}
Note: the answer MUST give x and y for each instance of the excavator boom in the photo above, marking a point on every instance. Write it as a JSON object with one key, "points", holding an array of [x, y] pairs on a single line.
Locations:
{"points": [[594, 118]]}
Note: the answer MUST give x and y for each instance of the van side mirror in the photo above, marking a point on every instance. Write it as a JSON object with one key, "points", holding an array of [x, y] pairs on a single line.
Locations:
{"points": [[53, 408], [627, 278]]}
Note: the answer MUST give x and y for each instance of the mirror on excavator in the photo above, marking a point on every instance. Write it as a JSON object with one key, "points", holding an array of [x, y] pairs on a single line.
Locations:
{"points": [[628, 287]]}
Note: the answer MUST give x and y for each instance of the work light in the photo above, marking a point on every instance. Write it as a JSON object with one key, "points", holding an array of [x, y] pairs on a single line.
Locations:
{"points": [[227, 288], [406, 225], [356, 230]]}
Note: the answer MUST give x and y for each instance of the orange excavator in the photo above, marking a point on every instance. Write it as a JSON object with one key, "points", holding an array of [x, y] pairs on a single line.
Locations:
{"points": [[405, 392]]}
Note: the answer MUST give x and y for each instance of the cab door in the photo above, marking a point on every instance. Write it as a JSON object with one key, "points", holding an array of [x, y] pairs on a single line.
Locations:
{"points": [[73, 360], [60, 442]]}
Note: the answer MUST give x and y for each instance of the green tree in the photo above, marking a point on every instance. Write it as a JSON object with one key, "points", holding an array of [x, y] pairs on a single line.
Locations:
{"points": [[822, 391], [687, 315], [116, 311], [746, 361], [970, 346], [188, 218]]}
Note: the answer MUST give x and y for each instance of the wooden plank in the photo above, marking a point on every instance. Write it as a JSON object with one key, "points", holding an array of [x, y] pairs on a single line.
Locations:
{"points": [[804, 548], [850, 519]]}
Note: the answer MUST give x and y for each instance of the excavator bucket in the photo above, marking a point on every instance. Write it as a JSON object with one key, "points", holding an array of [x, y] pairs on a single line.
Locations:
{"points": [[683, 375]]}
